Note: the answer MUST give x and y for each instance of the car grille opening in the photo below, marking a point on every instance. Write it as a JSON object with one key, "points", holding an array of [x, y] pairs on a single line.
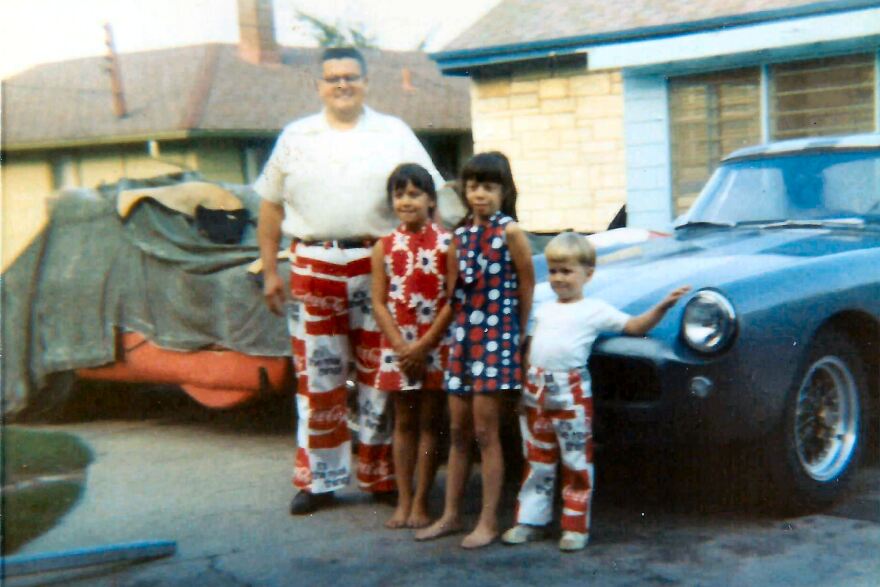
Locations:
{"points": [[621, 379]]}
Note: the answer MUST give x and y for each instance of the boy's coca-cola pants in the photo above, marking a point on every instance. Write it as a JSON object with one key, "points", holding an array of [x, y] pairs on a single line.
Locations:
{"points": [[556, 422], [332, 328]]}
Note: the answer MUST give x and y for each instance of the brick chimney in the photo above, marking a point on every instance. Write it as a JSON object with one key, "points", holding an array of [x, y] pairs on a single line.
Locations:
{"points": [[256, 32]]}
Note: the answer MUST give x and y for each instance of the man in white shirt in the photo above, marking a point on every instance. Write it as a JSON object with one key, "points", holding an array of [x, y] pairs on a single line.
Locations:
{"points": [[324, 186]]}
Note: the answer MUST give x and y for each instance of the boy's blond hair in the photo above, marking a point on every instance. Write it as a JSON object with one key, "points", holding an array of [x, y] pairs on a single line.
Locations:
{"points": [[570, 246]]}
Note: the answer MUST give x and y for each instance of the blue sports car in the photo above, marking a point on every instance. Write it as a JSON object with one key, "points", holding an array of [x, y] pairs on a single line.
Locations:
{"points": [[777, 347]]}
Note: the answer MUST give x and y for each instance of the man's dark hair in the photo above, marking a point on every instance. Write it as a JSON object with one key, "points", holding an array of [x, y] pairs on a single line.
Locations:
{"points": [[345, 53]]}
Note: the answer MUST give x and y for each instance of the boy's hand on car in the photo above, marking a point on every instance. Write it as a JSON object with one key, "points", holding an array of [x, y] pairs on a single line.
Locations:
{"points": [[674, 296]]}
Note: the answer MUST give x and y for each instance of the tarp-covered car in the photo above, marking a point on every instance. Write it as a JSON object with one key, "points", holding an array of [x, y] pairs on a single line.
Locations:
{"points": [[147, 281], [142, 282], [777, 347]]}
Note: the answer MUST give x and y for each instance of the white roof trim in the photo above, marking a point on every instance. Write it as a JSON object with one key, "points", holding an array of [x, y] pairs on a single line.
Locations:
{"points": [[774, 35]]}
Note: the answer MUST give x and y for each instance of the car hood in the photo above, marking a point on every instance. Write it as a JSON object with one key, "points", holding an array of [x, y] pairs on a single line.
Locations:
{"points": [[637, 276]]}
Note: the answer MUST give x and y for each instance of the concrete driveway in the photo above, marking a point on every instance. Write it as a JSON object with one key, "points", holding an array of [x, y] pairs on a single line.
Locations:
{"points": [[219, 485]]}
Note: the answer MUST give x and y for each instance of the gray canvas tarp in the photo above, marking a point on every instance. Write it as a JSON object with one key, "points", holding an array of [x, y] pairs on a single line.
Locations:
{"points": [[90, 274]]}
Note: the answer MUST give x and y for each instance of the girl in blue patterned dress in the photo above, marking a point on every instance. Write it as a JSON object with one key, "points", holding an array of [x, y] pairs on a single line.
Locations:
{"points": [[492, 279]]}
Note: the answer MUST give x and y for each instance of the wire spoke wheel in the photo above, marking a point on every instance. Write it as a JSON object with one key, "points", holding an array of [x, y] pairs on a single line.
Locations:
{"points": [[826, 419]]}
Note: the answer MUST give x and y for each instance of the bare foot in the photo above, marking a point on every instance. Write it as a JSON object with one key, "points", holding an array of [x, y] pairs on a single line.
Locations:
{"points": [[442, 527], [479, 538], [418, 518], [398, 519]]}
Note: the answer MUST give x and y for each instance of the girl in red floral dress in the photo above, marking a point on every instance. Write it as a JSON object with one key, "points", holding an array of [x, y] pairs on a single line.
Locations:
{"points": [[409, 276]]}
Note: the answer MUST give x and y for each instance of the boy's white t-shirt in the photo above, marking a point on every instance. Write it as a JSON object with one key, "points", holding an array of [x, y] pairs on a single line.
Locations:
{"points": [[563, 333]]}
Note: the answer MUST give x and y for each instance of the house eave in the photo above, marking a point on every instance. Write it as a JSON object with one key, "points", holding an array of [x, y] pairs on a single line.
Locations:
{"points": [[466, 61], [116, 140], [100, 141]]}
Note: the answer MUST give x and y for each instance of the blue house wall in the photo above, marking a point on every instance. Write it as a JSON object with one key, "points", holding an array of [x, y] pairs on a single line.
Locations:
{"points": [[648, 164]]}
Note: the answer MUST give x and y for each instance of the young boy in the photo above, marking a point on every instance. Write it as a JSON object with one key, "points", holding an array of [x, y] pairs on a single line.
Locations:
{"points": [[557, 403]]}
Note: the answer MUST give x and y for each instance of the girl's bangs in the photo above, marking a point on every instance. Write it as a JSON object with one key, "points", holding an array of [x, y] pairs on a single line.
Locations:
{"points": [[487, 170]]}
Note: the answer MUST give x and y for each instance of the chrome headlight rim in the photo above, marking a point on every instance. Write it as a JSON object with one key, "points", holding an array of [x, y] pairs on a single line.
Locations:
{"points": [[722, 333]]}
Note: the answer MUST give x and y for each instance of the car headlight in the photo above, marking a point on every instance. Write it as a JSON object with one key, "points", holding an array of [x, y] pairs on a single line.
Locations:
{"points": [[709, 322]]}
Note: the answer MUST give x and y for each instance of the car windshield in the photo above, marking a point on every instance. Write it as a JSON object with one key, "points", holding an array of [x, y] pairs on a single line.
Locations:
{"points": [[813, 187]]}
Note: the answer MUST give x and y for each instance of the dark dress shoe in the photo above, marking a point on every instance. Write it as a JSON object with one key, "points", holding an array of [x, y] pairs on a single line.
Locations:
{"points": [[306, 503]]}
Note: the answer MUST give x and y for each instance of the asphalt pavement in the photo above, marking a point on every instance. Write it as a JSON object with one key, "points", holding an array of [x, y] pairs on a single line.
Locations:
{"points": [[219, 485]]}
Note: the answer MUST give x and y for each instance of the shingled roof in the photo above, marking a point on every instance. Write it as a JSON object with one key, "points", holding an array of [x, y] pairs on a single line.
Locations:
{"points": [[518, 22], [210, 90]]}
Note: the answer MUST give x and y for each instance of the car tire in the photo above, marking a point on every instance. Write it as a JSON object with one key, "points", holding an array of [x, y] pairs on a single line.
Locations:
{"points": [[814, 452]]}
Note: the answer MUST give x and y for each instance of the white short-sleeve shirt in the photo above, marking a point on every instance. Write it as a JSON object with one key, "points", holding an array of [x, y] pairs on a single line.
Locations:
{"points": [[563, 334], [332, 182]]}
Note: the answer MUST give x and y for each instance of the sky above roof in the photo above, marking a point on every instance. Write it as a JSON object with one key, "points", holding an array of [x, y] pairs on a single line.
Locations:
{"points": [[41, 31]]}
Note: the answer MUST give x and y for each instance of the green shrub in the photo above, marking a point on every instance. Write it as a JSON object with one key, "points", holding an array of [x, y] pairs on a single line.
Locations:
{"points": [[30, 506], [36, 452], [31, 511]]}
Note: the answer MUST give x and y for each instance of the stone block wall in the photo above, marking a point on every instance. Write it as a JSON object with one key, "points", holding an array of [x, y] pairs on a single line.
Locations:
{"points": [[564, 135]]}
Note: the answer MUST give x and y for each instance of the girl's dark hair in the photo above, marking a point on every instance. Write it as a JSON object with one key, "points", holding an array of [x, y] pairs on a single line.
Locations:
{"points": [[494, 167], [413, 173]]}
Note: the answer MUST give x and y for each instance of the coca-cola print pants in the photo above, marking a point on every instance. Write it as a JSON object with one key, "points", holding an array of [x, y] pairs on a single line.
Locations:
{"points": [[556, 423], [333, 331]]}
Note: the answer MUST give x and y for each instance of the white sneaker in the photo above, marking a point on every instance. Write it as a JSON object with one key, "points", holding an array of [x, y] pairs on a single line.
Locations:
{"points": [[522, 533], [572, 541]]}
